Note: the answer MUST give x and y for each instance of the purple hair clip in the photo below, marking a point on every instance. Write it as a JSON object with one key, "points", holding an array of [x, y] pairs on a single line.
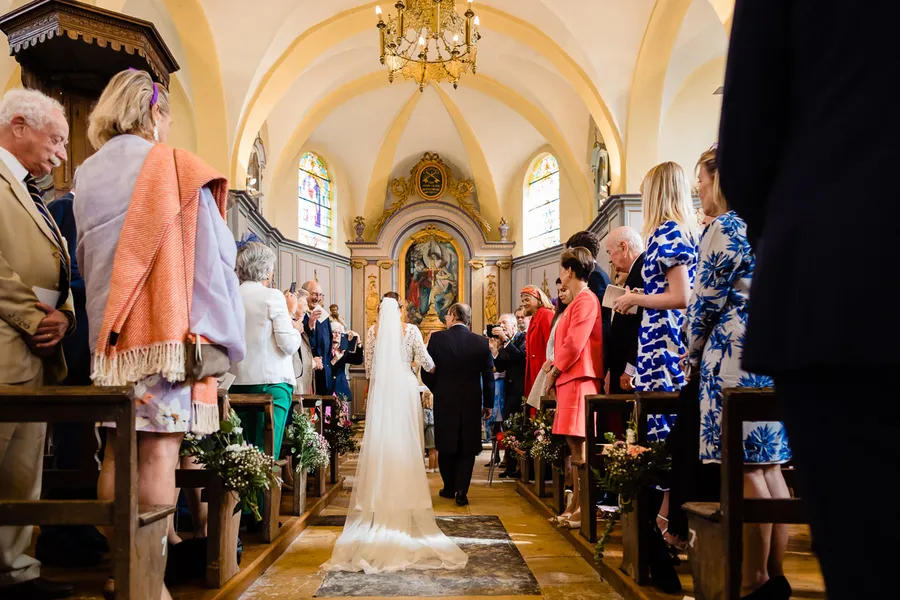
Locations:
{"points": [[155, 96]]}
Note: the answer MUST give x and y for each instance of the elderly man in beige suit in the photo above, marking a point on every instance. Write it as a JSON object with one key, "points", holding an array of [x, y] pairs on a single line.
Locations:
{"points": [[33, 255]]}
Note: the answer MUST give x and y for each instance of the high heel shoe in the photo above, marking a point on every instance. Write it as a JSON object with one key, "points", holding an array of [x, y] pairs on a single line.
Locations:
{"points": [[559, 520], [573, 524]]}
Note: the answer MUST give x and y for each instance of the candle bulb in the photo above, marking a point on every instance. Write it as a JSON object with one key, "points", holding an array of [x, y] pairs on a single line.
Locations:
{"points": [[455, 39], [378, 11], [421, 40], [477, 21]]}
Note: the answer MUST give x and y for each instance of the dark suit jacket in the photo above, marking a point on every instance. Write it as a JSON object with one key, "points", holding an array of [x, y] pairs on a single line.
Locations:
{"points": [[622, 344], [511, 360], [597, 282], [462, 384], [320, 342], [807, 131]]}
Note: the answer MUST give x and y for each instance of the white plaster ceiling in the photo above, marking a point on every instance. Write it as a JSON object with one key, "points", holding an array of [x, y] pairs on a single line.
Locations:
{"points": [[701, 39], [431, 129]]}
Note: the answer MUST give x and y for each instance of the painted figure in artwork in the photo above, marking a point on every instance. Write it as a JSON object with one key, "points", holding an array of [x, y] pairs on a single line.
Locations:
{"points": [[431, 267]]}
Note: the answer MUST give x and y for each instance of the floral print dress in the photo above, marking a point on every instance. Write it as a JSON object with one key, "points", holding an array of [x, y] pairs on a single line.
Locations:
{"points": [[717, 324], [661, 342]]}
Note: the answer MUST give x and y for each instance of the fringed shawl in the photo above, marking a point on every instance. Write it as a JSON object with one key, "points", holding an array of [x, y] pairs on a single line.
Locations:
{"points": [[147, 315]]}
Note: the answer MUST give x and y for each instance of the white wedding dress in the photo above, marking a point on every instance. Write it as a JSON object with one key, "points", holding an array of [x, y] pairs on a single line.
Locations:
{"points": [[390, 520]]}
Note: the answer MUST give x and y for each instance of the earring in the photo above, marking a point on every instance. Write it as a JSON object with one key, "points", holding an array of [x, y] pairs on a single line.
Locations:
{"points": [[156, 133]]}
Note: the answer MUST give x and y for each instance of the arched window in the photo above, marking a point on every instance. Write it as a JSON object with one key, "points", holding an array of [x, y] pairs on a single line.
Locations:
{"points": [[541, 214], [314, 202]]}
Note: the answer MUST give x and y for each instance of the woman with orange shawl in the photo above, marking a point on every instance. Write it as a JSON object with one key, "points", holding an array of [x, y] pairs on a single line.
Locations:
{"points": [[158, 264]]}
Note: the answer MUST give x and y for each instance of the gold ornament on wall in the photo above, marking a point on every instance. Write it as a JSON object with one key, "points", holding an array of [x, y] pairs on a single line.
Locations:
{"points": [[372, 300], [430, 178], [546, 286], [491, 309]]}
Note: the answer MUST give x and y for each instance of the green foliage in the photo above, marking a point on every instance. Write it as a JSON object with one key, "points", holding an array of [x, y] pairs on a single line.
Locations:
{"points": [[242, 467], [308, 447]]}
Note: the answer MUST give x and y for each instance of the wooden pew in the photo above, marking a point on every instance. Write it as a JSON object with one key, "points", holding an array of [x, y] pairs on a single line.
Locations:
{"points": [[223, 524], [717, 550], [635, 537], [595, 407], [139, 543], [271, 508]]}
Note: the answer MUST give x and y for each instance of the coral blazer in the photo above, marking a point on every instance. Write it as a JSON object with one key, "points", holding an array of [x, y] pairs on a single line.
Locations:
{"points": [[578, 345], [536, 345]]}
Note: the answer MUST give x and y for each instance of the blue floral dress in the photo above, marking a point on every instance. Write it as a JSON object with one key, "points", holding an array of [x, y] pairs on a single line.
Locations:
{"points": [[717, 323], [661, 342]]}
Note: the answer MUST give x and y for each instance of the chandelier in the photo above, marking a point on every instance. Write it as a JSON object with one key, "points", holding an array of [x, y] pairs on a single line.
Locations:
{"points": [[428, 41]]}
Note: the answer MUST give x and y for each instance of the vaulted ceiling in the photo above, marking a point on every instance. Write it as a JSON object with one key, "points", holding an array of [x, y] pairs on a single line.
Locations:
{"points": [[304, 74]]}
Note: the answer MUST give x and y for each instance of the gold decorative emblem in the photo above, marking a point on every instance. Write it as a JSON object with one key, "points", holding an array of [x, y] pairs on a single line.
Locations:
{"points": [[544, 285], [430, 178], [477, 263], [385, 264], [358, 263], [430, 182], [504, 264]]}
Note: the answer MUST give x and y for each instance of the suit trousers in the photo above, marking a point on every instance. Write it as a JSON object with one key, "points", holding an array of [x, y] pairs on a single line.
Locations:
{"points": [[21, 467], [456, 471], [854, 553]]}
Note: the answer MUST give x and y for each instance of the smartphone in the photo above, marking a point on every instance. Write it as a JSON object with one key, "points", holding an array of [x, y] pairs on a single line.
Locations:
{"points": [[293, 287]]}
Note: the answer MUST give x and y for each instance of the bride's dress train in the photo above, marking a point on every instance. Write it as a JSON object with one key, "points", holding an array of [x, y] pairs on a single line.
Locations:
{"points": [[390, 521]]}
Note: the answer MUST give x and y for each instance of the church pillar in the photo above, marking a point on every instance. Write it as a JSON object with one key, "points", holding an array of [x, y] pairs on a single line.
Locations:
{"points": [[358, 282], [509, 298]]}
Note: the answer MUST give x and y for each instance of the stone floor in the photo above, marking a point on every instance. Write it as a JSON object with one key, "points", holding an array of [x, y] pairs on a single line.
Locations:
{"points": [[560, 571]]}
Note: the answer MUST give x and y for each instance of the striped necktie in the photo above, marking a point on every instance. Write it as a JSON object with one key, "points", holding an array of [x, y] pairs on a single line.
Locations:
{"points": [[35, 194]]}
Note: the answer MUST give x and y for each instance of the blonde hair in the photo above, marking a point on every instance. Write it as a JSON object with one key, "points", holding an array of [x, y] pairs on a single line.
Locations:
{"points": [[666, 196], [125, 107], [708, 161]]}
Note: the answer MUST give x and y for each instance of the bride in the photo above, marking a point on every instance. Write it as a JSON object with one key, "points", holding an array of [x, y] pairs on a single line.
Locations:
{"points": [[390, 521]]}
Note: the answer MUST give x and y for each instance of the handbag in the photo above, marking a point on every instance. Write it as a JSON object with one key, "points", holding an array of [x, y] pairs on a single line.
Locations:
{"points": [[202, 359]]}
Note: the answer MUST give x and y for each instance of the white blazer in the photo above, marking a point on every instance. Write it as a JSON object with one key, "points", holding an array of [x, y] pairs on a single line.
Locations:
{"points": [[271, 338]]}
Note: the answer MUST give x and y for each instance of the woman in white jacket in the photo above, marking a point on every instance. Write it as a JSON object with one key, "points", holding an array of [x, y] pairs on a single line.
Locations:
{"points": [[273, 338]]}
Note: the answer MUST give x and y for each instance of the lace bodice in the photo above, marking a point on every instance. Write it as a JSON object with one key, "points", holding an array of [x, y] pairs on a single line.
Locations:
{"points": [[412, 349]]}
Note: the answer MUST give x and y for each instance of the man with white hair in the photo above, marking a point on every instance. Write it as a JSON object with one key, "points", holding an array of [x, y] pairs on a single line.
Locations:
{"points": [[626, 252], [33, 259]]}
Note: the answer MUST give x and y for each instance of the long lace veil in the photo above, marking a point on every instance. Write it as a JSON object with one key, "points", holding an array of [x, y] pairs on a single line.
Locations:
{"points": [[390, 520]]}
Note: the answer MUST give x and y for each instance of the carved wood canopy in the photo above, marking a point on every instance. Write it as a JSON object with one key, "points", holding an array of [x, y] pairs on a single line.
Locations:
{"points": [[67, 42]]}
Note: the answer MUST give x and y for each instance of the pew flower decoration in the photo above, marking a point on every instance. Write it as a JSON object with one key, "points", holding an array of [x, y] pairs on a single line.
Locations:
{"points": [[339, 432], [629, 468], [546, 446], [309, 448], [242, 467], [519, 433]]}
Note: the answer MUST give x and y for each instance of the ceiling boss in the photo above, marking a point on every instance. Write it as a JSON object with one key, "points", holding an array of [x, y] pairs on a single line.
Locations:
{"points": [[428, 41]]}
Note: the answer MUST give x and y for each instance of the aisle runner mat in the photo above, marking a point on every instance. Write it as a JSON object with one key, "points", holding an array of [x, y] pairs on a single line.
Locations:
{"points": [[495, 567]]}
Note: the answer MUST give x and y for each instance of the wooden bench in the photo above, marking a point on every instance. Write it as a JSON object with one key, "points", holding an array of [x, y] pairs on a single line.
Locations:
{"points": [[596, 407], [717, 546], [271, 508], [139, 543], [637, 526], [223, 524]]}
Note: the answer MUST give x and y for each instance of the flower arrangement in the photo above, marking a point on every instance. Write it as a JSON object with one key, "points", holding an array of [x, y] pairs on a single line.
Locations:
{"points": [[518, 433], [339, 431], [308, 447], [546, 446], [243, 468], [629, 468]]}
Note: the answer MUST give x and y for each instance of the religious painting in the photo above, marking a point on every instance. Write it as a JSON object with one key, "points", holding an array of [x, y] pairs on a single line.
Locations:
{"points": [[431, 275]]}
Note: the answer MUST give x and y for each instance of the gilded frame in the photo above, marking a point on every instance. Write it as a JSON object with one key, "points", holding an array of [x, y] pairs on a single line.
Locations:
{"points": [[440, 234]]}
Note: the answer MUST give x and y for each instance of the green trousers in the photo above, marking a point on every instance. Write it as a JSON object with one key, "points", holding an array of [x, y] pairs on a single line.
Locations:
{"points": [[253, 422]]}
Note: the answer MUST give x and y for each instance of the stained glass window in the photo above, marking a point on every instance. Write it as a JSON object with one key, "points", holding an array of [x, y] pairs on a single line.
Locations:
{"points": [[314, 202], [542, 205]]}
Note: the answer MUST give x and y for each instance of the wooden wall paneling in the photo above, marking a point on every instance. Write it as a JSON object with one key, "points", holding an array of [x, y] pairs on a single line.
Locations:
{"points": [[341, 293], [286, 270]]}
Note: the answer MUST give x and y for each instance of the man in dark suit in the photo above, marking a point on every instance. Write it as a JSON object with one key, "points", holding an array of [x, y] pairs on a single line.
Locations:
{"points": [[463, 388], [320, 338], [508, 348], [598, 279], [805, 78], [626, 252]]}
